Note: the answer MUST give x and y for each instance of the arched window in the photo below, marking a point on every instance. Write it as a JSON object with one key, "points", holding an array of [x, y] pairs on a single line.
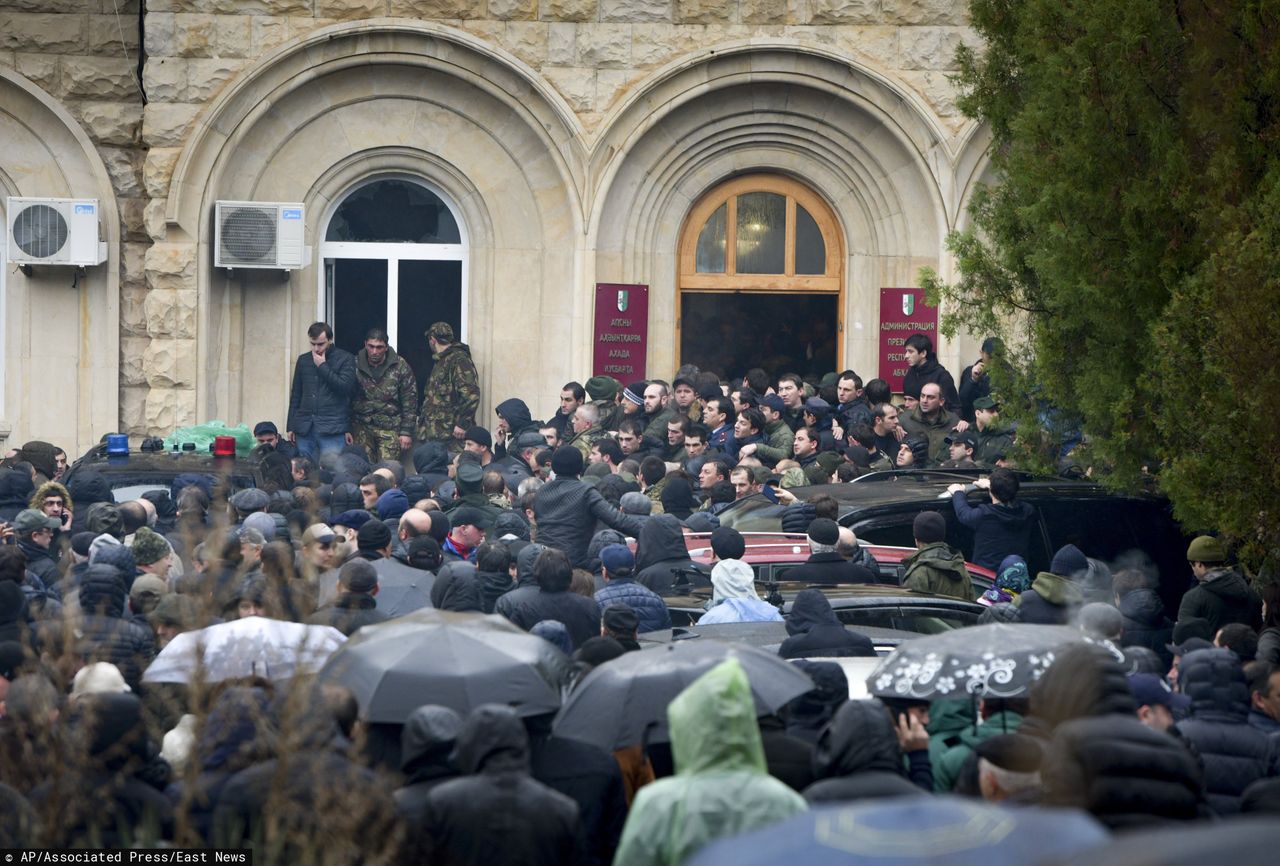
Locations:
{"points": [[760, 268]]}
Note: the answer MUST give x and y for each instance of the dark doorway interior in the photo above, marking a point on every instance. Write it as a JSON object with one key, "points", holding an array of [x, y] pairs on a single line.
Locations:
{"points": [[359, 300], [730, 332], [430, 291]]}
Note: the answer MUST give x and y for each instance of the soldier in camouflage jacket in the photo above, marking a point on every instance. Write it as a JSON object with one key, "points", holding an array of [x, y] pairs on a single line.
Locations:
{"points": [[385, 412], [452, 395]]}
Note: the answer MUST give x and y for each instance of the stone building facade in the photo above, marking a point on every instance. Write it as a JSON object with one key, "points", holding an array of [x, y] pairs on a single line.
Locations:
{"points": [[569, 141]]}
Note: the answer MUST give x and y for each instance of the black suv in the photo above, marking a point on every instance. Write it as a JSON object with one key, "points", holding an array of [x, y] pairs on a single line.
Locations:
{"points": [[130, 475], [881, 506]]}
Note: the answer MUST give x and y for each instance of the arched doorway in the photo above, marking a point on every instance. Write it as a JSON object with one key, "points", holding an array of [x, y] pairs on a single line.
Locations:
{"points": [[760, 279], [394, 256]]}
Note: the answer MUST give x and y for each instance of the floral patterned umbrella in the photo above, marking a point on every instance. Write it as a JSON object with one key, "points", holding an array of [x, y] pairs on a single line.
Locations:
{"points": [[999, 660]]}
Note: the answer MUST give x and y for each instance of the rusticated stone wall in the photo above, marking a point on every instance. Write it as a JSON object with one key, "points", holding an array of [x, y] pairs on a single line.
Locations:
{"points": [[592, 52]]}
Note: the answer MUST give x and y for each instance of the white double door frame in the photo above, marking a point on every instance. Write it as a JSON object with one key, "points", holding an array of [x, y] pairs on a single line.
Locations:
{"points": [[393, 254]]}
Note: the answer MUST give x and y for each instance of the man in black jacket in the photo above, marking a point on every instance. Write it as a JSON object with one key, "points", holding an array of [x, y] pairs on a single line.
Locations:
{"points": [[923, 368], [553, 600], [324, 382], [355, 605], [824, 564], [566, 509]]}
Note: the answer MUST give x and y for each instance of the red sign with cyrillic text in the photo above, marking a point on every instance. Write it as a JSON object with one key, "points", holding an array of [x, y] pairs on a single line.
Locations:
{"points": [[903, 312], [621, 340]]}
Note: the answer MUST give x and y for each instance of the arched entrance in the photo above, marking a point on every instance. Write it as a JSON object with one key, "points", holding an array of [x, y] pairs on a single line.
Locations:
{"points": [[394, 256], [760, 279]]}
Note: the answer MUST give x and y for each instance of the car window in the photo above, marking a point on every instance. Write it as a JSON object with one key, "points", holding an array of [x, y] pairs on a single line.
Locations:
{"points": [[926, 622], [1097, 527], [1164, 545], [126, 492], [895, 531]]}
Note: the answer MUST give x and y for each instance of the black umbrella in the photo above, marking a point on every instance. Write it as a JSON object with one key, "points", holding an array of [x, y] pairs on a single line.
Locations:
{"points": [[458, 660], [999, 660], [624, 701]]}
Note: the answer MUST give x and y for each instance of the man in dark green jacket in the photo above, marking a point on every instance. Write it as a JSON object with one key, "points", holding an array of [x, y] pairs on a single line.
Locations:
{"points": [[1222, 595], [936, 567], [931, 419], [385, 412]]}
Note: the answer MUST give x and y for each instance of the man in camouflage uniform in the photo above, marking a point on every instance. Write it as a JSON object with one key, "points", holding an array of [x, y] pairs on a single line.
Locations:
{"points": [[585, 424], [386, 406], [452, 395]]}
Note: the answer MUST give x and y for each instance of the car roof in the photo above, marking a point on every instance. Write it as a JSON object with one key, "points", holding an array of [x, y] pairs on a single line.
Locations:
{"points": [[783, 547], [163, 466], [888, 488], [765, 634]]}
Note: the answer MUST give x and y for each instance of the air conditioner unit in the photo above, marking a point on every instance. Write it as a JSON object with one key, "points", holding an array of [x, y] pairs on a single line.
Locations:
{"points": [[54, 231], [258, 234]]}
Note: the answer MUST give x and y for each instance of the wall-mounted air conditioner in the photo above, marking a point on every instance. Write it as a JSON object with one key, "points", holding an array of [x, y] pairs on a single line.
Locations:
{"points": [[258, 234], [54, 231]]}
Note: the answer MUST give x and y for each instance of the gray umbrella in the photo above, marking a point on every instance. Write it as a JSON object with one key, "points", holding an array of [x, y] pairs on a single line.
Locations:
{"points": [[457, 660], [1000, 660], [623, 702]]}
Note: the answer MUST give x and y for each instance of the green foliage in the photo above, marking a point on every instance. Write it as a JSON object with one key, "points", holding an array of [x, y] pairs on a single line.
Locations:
{"points": [[1131, 244]]}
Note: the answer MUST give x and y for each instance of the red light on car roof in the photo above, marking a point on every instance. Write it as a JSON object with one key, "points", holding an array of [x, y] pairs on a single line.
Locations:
{"points": [[224, 446]]}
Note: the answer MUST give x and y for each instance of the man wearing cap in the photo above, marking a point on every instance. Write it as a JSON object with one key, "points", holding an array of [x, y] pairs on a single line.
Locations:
{"points": [[1222, 595], [324, 381], [825, 565], [521, 460], [268, 437], [452, 394], [604, 393], [566, 509], [355, 605], [1158, 705], [385, 410], [936, 567], [622, 623], [684, 399], [779, 438], [617, 564], [467, 534], [34, 532], [994, 442], [960, 448]]}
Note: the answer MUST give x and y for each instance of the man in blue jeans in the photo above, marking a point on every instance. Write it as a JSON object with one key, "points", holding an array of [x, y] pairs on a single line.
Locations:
{"points": [[324, 382]]}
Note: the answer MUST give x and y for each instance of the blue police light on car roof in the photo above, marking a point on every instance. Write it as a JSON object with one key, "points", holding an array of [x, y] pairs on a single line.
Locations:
{"points": [[117, 445]]}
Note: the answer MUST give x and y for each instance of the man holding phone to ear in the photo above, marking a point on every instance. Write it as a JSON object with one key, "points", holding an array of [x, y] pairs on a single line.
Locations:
{"points": [[324, 382]]}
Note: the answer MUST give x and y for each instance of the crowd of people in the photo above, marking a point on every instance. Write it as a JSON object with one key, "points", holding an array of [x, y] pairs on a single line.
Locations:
{"points": [[371, 506]]}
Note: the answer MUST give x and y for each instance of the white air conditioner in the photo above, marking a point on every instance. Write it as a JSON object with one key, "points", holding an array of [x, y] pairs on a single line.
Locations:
{"points": [[258, 234], [54, 231]]}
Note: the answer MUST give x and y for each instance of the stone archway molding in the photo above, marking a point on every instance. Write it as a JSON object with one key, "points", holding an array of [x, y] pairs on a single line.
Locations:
{"points": [[364, 43]]}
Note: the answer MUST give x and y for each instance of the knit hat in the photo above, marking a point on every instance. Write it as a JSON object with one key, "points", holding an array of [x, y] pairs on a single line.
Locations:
{"points": [[824, 530], [1068, 560], [929, 527], [358, 575], [374, 535], [618, 560], [634, 393], [478, 435], [149, 547], [1206, 549], [392, 504], [620, 619], [601, 388], [566, 462], [728, 543], [80, 543]]}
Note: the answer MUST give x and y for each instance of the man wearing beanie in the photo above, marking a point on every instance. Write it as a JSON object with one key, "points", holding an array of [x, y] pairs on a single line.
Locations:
{"points": [[1054, 597], [479, 442], [152, 553], [824, 564], [566, 509], [373, 540], [355, 605], [1221, 596], [935, 567], [617, 564]]}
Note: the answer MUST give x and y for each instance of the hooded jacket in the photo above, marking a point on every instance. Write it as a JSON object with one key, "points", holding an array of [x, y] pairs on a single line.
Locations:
{"points": [[349, 612], [938, 570], [932, 372], [1221, 598], [431, 461], [15, 493], [660, 548], [999, 528], [1099, 757], [566, 511], [1235, 753], [947, 769], [451, 396], [1051, 600], [809, 714], [457, 588], [426, 759], [102, 631], [1145, 623], [721, 787], [858, 757], [518, 418], [497, 813], [816, 632], [734, 595]]}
